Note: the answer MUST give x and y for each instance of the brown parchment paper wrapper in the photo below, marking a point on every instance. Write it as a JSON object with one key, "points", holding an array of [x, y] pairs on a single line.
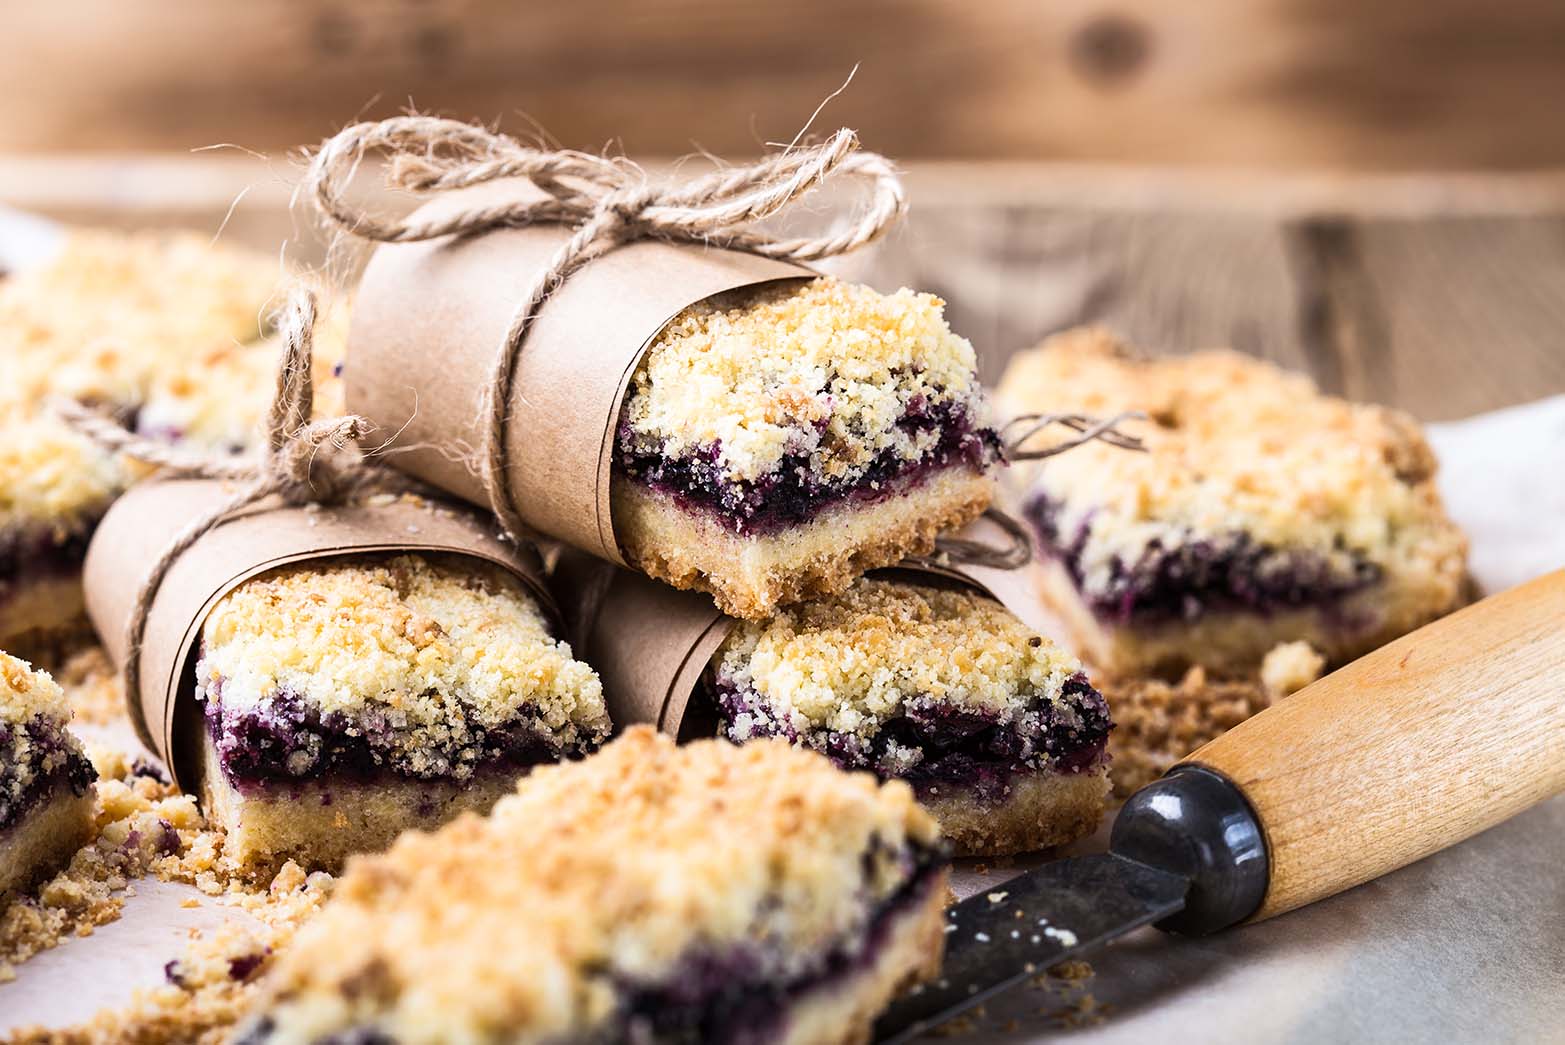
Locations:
{"points": [[430, 319], [651, 643], [267, 535]]}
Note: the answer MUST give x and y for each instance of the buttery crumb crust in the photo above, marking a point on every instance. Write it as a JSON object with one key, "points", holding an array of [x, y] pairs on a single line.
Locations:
{"points": [[820, 366], [851, 663], [750, 577], [435, 645], [1234, 444], [517, 927]]}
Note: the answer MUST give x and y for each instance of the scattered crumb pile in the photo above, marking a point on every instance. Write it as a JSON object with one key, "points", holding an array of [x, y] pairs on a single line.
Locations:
{"points": [[1157, 723]]}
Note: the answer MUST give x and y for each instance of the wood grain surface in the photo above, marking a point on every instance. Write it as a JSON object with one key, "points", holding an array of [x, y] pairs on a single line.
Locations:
{"points": [[1425, 742], [1442, 294], [1329, 83]]}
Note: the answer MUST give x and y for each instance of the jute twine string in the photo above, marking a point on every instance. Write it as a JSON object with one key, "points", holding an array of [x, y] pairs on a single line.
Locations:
{"points": [[608, 203], [302, 462]]}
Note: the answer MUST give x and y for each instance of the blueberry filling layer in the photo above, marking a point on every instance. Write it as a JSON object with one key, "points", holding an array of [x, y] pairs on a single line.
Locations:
{"points": [[1199, 574], [931, 744], [795, 492], [727, 997], [35, 760], [287, 740]]}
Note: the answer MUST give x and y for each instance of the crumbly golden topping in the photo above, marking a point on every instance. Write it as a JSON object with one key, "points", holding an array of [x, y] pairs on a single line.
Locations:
{"points": [[435, 646], [822, 367], [1290, 666], [165, 327], [1235, 445], [850, 663], [26, 694], [519, 927]]}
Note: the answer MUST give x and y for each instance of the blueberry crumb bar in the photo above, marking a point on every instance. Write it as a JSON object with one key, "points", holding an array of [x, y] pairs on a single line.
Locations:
{"points": [[777, 443], [46, 801], [706, 893], [1264, 512], [997, 730], [164, 332], [348, 700]]}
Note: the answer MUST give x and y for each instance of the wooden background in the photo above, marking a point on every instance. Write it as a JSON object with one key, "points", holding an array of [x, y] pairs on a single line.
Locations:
{"points": [[1407, 84], [1371, 192]]}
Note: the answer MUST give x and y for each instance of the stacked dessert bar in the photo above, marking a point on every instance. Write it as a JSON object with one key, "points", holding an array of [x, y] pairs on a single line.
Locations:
{"points": [[776, 444], [997, 729], [348, 700]]}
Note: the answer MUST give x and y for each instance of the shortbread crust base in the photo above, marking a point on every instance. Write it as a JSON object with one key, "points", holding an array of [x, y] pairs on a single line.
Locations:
{"points": [[750, 577], [844, 1012], [42, 613], [44, 839], [320, 823], [1039, 811], [1234, 643]]}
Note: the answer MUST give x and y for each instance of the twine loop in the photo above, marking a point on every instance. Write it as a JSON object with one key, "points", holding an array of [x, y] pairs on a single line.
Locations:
{"points": [[606, 202], [303, 461]]}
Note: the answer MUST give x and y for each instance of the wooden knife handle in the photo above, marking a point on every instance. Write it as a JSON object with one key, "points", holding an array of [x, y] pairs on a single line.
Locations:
{"points": [[1427, 741]]}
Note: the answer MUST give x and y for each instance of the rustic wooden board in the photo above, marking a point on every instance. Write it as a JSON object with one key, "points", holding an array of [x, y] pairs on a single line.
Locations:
{"points": [[1443, 295], [1438, 84]]}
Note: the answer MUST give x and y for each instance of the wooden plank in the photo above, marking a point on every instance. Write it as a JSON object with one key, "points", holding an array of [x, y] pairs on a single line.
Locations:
{"points": [[1327, 83]]}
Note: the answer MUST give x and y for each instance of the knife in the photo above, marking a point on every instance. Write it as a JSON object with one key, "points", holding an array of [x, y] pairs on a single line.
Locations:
{"points": [[1427, 741]]}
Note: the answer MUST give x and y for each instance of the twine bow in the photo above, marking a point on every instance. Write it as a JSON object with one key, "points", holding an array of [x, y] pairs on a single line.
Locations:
{"points": [[302, 462], [607, 202]]}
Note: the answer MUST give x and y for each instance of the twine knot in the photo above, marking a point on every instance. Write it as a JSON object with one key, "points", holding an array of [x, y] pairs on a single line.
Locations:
{"points": [[303, 461]]}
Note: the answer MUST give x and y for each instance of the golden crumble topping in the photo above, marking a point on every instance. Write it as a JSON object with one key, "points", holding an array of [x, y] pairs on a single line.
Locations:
{"points": [[166, 328], [820, 367], [1236, 445], [434, 646], [523, 926], [26, 694], [1290, 666], [850, 663]]}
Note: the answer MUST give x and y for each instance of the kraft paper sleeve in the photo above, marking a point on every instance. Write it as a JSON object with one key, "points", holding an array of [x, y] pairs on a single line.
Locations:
{"points": [[431, 318], [267, 535]]}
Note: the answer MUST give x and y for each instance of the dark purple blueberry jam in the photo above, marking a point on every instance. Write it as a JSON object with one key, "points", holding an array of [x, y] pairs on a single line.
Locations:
{"points": [[51, 759], [728, 997], [794, 493], [930, 744], [287, 739], [1229, 571]]}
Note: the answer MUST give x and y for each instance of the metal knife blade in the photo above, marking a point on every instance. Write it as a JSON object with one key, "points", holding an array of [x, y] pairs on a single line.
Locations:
{"points": [[998, 938]]}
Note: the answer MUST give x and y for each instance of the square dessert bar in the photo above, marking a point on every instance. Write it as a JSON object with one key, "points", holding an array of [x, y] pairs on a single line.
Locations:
{"points": [[704, 893], [348, 700], [1262, 513], [777, 443], [163, 332], [998, 731], [46, 801]]}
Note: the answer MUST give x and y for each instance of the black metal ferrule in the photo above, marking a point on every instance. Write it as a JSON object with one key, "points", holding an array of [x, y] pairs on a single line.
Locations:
{"points": [[1197, 823]]}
